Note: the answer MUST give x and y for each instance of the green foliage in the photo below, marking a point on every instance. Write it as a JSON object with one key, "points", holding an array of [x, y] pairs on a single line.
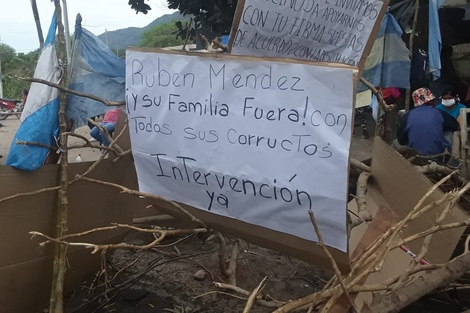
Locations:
{"points": [[214, 15], [139, 6], [6, 53], [161, 36], [14, 67]]}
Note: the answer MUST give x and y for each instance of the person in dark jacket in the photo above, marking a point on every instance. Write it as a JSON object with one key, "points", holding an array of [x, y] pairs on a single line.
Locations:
{"points": [[423, 127]]}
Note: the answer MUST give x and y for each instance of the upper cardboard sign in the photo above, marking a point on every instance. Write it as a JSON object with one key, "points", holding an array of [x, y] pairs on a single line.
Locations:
{"points": [[316, 30], [251, 139]]}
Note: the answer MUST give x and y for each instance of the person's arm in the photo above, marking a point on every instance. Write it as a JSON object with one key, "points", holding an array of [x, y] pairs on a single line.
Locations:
{"points": [[402, 133], [450, 123]]}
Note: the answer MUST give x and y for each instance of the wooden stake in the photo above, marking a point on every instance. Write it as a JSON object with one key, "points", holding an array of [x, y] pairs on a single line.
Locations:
{"points": [[56, 303], [411, 46], [38, 23]]}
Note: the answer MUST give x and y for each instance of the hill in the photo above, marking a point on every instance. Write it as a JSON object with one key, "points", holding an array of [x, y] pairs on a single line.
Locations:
{"points": [[121, 38]]}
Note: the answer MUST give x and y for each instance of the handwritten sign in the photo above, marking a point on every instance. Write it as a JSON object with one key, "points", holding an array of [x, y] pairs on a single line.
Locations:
{"points": [[316, 30], [253, 140]]}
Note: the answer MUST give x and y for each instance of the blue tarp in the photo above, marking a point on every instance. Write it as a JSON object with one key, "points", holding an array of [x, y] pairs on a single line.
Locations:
{"points": [[96, 70], [40, 123], [435, 40], [388, 63]]}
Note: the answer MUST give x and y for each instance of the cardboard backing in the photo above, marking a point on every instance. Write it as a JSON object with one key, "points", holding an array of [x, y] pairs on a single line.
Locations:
{"points": [[25, 269]]}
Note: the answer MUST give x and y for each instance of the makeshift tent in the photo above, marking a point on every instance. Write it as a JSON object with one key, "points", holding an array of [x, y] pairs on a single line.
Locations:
{"points": [[441, 26], [96, 70]]}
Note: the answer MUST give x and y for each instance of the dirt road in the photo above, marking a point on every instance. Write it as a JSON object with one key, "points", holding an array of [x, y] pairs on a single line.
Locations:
{"points": [[11, 124]]}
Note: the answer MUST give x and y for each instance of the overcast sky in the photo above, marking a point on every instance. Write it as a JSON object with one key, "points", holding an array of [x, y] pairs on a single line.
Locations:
{"points": [[18, 29]]}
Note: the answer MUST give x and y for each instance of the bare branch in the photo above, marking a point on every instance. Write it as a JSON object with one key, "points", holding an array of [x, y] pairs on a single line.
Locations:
{"points": [[253, 296], [73, 92], [144, 194], [332, 262], [359, 165]]}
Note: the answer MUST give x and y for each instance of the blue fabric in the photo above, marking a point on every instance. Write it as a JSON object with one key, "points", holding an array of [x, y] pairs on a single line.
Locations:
{"points": [[96, 133], [95, 70], [425, 130], [41, 127], [454, 112], [40, 122], [435, 41], [50, 38], [225, 39], [418, 68], [388, 63], [375, 108], [389, 74]]}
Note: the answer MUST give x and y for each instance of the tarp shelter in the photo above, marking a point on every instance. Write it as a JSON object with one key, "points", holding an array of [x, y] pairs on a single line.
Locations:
{"points": [[454, 23]]}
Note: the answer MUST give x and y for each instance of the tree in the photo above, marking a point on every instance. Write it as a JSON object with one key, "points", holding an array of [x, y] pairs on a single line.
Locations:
{"points": [[6, 53], [18, 65], [161, 36], [214, 15]]}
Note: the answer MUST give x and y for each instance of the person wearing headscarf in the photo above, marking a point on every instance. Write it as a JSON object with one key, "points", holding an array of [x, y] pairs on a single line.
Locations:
{"points": [[450, 103], [423, 127]]}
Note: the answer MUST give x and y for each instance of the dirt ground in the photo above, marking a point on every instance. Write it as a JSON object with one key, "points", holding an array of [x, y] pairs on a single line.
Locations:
{"points": [[172, 286], [11, 124]]}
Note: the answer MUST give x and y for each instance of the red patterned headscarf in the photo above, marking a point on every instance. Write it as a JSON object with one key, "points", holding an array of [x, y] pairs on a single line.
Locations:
{"points": [[422, 96]]}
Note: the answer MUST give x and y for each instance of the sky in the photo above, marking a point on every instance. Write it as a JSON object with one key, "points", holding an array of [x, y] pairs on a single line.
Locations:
{"points": [[18, 29]]}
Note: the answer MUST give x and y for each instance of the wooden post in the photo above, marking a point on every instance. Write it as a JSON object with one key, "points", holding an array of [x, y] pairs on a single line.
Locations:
{"points": [[68, 44], [411, 45], [38, 23], [1, 80], [57, 291], [463, 142]]}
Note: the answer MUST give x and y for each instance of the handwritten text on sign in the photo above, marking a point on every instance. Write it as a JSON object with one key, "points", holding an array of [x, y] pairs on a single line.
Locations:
{"points": [[258, 141], [316, 30]]}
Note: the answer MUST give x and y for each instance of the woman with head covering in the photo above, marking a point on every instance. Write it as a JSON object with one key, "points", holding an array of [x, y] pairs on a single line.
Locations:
{"points": [[450, 103], [423, 127]]}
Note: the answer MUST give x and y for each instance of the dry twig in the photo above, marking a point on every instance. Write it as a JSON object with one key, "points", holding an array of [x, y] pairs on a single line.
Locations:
{"points": [[253, 295], [332, 262], [144, 194]]}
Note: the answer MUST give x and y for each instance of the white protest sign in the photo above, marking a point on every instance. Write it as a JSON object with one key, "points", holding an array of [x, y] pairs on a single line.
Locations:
{"points": [[315, 30], [254, 140]]}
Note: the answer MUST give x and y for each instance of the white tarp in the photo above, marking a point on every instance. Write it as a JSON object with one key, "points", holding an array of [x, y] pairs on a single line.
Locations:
{"points": [[254, 140], [316, 30]]}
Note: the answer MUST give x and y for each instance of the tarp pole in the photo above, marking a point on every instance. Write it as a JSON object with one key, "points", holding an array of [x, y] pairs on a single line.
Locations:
{"points": [[56, 302], [411, 44], [1, 80], [38, 23], [68, 45]]}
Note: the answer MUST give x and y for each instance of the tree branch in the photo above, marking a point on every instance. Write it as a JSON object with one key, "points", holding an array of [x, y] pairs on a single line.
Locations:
{"points": [[73, 92]]}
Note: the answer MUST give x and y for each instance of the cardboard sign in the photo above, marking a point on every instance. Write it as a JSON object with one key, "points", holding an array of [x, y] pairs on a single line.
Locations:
{"points": [[255, 140], [316, 30]]}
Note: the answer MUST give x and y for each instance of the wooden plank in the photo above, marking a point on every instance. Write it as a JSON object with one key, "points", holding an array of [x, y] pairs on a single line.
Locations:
{"points": [[463, 145]]}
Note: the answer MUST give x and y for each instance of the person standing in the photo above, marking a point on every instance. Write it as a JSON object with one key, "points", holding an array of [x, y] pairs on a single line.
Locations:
{"points": [[423, 127], [109, 123]]}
